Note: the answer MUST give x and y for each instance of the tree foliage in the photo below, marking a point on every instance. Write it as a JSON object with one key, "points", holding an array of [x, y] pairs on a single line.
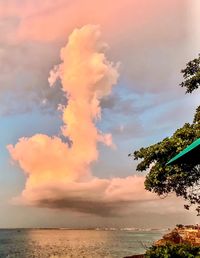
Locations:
{"points": [[171, 251], [183, 179], [191, 74]]}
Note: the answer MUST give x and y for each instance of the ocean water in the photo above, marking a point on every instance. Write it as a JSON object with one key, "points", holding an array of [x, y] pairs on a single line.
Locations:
{"points": [[62, 243]]}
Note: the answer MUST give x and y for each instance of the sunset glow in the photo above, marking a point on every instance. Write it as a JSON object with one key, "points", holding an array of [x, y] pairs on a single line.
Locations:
{"points": [[83, 84]]}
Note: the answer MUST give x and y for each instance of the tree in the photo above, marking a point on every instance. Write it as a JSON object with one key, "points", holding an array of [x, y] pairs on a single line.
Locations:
{"points": [[183, 179], [191, 74]]}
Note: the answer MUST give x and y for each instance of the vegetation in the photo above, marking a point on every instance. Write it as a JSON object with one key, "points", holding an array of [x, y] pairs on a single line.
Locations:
{"points": [[179, 226], [191, 74], [173, 251], [183, 179]]}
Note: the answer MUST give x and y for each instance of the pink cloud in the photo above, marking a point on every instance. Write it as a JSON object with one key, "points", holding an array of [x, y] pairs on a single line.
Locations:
{"points": [[86, 77], [58, 174], [151, 45], [102, 197], [50, 20]]}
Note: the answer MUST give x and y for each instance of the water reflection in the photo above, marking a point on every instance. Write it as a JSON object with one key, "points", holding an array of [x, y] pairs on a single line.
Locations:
{"points": [[73, 243]]}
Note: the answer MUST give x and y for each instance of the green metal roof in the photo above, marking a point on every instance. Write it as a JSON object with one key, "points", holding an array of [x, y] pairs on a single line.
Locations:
{"points": [[191, 154]]}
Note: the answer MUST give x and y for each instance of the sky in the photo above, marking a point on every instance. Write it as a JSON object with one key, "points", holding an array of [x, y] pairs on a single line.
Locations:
{"points": [[82, 84]]}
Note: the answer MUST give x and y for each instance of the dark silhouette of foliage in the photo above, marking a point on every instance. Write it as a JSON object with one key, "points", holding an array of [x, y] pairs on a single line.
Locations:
{"points": [[191, 74], [172, 251]]}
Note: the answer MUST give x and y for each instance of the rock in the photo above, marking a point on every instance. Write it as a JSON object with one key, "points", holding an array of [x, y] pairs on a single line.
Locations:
{"points": [[184, 234], [171, 238]]}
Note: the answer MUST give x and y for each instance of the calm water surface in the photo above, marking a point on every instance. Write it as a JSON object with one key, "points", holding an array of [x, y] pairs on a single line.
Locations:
{"points": [[74, 243]]}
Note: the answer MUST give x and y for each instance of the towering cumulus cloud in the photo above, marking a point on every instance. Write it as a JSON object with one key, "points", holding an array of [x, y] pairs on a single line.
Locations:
{"points": [[58, 173]]}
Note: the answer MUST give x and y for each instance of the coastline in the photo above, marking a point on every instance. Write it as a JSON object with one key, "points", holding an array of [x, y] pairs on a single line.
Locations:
{"points": [[188, 235]]}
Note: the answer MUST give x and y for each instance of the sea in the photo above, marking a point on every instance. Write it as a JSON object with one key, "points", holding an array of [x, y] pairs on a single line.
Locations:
{"points": [[66, 243]]}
